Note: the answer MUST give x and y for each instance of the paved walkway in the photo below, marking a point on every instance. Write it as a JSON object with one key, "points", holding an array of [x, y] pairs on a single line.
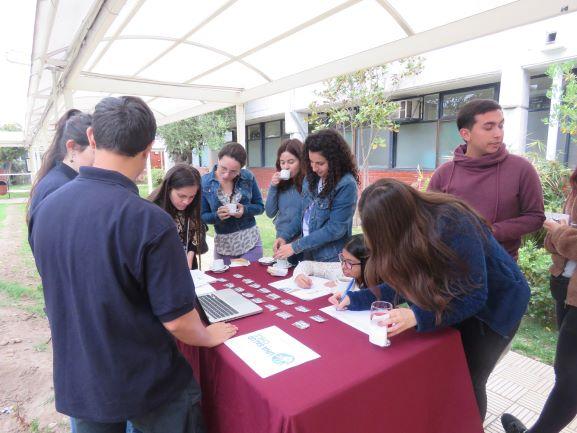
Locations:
{"points": [[13, 200], [519, 385]]}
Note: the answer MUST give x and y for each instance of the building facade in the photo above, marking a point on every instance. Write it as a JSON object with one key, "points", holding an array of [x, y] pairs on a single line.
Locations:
{"points": [[509, 67]]}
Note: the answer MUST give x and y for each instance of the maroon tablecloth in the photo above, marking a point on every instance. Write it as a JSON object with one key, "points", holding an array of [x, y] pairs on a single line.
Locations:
{"points": [[418, 384]]}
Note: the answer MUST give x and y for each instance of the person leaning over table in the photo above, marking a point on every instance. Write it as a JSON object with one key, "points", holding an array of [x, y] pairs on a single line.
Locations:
{"points": [[561, 405], [179, 195], [438, 254], [352, 262], [228, 183], [329, 199], [284, 199]]}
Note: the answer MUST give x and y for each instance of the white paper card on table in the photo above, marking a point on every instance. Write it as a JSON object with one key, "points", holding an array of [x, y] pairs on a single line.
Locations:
{"points": [[200, 278], [317, 290], [204, 289], [359, 320], [270, 351]]}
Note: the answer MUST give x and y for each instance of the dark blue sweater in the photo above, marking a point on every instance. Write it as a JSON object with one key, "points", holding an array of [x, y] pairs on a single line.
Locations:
{"points": [[58, 176], [499, 295]]}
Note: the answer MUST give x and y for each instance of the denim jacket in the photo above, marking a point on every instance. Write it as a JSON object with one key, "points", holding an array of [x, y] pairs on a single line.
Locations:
{"points": [[329, 227], [499, 293], [286, 208], [251, 200]]}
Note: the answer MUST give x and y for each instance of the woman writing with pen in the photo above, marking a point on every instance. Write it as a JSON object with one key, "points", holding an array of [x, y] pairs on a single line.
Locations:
{"points": [[436, 253]]}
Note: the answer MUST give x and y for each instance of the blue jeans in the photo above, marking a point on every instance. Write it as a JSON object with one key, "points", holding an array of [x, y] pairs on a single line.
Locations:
{"points": [[181, 415], [128, 429]]}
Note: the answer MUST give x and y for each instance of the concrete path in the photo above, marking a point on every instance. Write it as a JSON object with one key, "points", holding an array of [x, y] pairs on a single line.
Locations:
{"points": [[520, 386]]}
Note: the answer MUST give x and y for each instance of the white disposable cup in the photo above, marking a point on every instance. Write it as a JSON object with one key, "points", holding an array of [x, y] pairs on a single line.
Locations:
{"points": [[282, 263], [378, 334], [285, 174], [232, 207], [218, 264], [343, 283]]}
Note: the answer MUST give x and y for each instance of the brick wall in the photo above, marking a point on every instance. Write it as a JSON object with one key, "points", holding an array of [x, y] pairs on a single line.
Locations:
{"points": [[263, 176]]}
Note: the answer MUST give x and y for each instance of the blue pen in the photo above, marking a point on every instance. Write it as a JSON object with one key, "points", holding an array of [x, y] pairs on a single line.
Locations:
{"points": [[347, 290]]}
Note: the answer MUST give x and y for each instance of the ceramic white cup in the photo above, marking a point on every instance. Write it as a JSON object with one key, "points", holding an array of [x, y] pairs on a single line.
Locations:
{"points": [[218, 264], [285, 174], [232, 208], [282, 263]]}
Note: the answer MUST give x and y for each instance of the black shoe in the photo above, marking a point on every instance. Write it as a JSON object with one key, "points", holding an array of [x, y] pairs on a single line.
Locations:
{"points": [[512, 424]]}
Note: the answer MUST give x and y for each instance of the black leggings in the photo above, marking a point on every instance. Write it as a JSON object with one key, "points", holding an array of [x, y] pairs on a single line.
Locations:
{"points": [[483, 347], [561, 405]]}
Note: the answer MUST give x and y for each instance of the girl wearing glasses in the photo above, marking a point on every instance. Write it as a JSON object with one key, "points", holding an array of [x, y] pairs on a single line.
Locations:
{"points": [[231, 199], [284, 199], [329, 199], [179, 195], [352, 258], [435, 252]]}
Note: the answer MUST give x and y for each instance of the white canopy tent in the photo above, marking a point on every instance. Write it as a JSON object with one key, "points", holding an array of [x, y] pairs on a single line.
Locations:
{"points": [[188, 57]]}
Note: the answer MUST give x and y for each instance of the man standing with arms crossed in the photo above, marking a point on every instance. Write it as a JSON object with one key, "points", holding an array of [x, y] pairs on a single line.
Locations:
{"points": [[118, 289], [504, 188]]}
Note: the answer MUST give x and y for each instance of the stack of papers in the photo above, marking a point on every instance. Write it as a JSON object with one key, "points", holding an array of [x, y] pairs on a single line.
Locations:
{"points": [[317, 290], [270, 351], [359, 320], [201, 282]]}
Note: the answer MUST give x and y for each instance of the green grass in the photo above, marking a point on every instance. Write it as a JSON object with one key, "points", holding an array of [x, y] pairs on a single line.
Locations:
{"points": [[30, 299], [535, 341], [41, 347], [2, 213], [143, 189]]}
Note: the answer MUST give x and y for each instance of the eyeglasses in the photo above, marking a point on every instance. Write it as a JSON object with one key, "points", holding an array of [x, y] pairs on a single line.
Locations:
{"points": [[225, 170], [347, 263]]}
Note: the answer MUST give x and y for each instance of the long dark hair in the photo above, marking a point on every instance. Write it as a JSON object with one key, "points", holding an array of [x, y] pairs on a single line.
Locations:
{"points": [[406, 249], [295, 148], [71, 126], [180, 176], [332, 146], [357, 247]]}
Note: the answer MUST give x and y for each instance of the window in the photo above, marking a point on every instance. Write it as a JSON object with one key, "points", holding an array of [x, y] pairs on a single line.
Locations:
{"points": [[272, 133], [452, 102], [254, 146], [379, 157], [431, 107], [264, 140], [539, 106], [415, 145], [432, 141], [449, 139]]}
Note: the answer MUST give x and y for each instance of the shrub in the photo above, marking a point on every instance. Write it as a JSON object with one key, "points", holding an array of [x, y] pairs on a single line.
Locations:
{"points": [[157, 176], [535, 262]]}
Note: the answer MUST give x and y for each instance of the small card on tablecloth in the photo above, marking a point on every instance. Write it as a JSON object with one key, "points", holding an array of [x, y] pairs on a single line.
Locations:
{"points": [[284, 315], [301, 324]]}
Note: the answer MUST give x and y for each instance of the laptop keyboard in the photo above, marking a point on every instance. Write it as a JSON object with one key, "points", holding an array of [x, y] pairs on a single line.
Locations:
{"points": [[216, 307]]}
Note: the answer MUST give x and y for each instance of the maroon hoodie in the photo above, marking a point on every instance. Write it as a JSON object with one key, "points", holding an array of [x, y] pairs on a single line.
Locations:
{"points": [[504, 188]]}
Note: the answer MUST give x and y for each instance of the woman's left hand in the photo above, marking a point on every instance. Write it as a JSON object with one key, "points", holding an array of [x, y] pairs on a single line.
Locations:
{"points": [[284, 252], [400, 319], [239, 211], [551, 226]]}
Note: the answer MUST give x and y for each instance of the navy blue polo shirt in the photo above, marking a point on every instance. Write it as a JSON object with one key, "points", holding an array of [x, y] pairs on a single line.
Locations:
{"points": [[113, 270], [56, 177]]}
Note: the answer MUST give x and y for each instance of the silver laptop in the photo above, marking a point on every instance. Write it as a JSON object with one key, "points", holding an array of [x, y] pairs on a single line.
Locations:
{"points": [[225, 305]]}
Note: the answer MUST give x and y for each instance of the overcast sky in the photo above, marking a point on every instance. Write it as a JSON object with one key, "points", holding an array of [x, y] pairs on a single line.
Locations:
{"points": [[16, 32]]}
